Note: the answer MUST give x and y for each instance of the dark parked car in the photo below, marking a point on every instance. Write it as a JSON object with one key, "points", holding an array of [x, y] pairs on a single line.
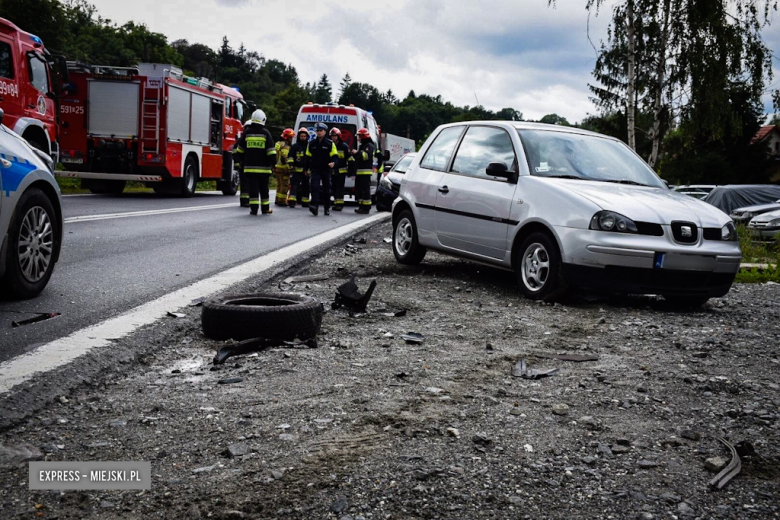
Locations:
{"points": [[734, 196], [390, 183]]}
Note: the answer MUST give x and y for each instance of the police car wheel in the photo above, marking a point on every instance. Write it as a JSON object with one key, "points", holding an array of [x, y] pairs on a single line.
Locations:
{"points": [[34, 241], [280, 316]]}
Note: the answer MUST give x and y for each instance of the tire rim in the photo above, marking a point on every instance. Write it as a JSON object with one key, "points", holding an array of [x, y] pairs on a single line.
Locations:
{"points": [[190, 172], [403, 236], [36, 244], [536, 267], [234, 180]]}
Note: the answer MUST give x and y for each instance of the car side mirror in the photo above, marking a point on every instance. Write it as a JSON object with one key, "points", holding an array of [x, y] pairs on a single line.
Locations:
{"points": [[386, 155], [500, 169], [51, 95], [668, 186]]}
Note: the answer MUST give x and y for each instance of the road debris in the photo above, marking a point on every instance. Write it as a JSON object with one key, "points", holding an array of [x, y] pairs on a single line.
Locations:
{"points": [[41, 317], [522, 370], [257, 345], [197, 302], [307, 278], [230, 380], [730, 471], [348, 295], [176, 314], [413, 338]]}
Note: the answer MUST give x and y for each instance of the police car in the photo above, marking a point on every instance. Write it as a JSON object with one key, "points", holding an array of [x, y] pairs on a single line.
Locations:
{"points": [[30, 217]]}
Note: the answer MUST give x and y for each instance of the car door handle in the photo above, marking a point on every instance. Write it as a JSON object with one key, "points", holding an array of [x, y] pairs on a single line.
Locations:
{"points": [[444, 189]]}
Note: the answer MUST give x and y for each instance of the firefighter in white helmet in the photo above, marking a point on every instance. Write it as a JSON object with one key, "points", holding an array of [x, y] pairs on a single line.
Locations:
{"points": [[256, 154]]}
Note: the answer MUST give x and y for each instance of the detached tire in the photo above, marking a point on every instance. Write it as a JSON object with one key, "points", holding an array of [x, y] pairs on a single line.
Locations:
{"points": [[277, 316]]}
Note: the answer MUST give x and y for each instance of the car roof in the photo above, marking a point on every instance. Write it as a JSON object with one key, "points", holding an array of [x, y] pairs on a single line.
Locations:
{"points": [[525, 125]]}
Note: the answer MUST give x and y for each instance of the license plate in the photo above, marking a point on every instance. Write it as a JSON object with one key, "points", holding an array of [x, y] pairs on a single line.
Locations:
{"points": [[72, 160], [659, 260]]}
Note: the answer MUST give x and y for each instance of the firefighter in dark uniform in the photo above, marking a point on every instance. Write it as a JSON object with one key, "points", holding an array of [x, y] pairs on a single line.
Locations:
{"points": [[257, 156], [340, 171], [364, 161], [282, 168], [321, 156], [296, 158]]}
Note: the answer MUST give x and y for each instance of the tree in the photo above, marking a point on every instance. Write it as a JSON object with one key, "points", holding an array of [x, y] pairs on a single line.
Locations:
{"points": [[323, 91], [346, 81], [554, 119], [509, 114]]}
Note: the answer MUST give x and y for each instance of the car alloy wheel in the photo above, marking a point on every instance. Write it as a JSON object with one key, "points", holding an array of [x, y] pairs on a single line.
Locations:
{"points": [[536, 267], [404, 233], [36, 244]]}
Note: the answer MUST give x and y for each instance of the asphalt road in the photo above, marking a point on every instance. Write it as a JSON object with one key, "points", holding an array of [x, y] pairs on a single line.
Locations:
{"points": [[112, 262]]}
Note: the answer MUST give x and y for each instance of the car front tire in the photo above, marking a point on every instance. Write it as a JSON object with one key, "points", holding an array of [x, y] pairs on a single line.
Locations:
{"points": [[539, 268], [33, 244], [406, 247]]}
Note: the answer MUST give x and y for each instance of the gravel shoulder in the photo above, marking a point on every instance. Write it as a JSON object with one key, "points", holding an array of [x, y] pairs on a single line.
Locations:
{"points": [[369, 426]]}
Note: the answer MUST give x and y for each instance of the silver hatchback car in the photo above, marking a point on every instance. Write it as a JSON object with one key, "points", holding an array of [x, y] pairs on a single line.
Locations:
{"points": [[30, 217], [563, 208]]}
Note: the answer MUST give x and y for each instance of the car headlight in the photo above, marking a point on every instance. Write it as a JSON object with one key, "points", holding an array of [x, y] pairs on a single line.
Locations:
{"points": [[611, 221], [729, 233], [386, 184], [774, 223]]}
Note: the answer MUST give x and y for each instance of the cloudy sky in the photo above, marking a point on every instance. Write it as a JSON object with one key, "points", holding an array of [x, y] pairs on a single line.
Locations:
{"points": [[504, 53]]}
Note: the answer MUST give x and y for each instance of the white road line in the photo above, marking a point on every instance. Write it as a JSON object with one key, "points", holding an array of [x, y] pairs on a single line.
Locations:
{"points": [[65, 350], [106, 216]]}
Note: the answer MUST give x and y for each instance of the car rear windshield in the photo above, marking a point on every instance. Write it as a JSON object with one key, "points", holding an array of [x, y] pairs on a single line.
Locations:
{"points": [[588, 157]]}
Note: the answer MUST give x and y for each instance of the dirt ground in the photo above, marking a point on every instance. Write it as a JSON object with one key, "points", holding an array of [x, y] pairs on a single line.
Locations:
{"points": [[369, 426]]}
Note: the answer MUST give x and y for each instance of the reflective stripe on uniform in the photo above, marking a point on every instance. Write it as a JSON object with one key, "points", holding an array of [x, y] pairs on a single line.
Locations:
{"points": [[365, 202], [271, 152], [359, 172], [254, 202], [257, 170], [265, 202]]}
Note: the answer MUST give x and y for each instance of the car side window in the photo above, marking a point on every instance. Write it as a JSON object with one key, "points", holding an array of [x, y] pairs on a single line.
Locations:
{"points": [[6, 61], [439, 153], [481, 146], [38, 75]]}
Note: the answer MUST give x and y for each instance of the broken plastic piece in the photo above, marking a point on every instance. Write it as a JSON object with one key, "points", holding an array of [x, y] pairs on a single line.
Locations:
{"points": [[176, 314], [256, 345], [522, 370], [578, 358], [413, 338], [41, 317], [197, 302], [307, 278], [391, 314], [347, 295], [730, 471]]}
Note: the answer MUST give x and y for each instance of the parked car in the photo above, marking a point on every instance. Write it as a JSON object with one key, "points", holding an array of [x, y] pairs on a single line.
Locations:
{"points": [[730, 197], [696, 194], [30, 217], [766, 226], [390, 183], [743, 215], [563, 208], [695, 189]]}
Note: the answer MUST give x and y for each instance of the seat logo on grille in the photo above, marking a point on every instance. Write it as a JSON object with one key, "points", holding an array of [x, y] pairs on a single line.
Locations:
{"points": [[686, 231]]}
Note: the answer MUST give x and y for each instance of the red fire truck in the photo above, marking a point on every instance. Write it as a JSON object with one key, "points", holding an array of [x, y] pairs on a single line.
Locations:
{"points": [[150, 124], [27, 94]]}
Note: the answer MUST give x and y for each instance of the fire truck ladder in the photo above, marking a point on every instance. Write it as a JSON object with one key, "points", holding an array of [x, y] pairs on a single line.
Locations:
{"points": [[150, 119]]}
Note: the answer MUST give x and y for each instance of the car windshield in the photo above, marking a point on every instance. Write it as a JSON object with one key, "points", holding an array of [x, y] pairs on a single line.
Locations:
{"points": [[587, 157], [402, 165]]}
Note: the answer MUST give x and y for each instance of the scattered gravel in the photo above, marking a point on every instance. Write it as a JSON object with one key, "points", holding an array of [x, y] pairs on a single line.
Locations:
{"points": [[371, 426]]}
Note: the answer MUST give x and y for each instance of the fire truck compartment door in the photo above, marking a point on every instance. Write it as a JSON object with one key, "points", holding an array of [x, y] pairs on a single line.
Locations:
{"points": [[201, 119], [113, 109], [179, 103]]}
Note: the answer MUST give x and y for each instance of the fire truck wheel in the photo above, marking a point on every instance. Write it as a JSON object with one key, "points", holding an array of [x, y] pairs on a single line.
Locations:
{"points": [[230, 188], [280, 316], [190, 177]]}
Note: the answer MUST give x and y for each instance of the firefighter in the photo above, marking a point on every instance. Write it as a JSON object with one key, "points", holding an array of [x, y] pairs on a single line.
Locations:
{"points": [[257, 155], [243, 198], [364, 161], [282, 169], [340, 171], [296, 159], [321, 156]]}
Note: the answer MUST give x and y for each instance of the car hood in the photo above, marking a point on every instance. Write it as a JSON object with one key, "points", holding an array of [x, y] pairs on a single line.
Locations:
{"points": [[768, 216], [395, 177], [758, 208], [646, 204]]}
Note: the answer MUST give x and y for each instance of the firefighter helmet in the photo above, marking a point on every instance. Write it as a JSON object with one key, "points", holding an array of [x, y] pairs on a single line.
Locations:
{"points": [[335, 131], [363, 133], [321, 126], [258, 117], [303, 130], [288, 133]]}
